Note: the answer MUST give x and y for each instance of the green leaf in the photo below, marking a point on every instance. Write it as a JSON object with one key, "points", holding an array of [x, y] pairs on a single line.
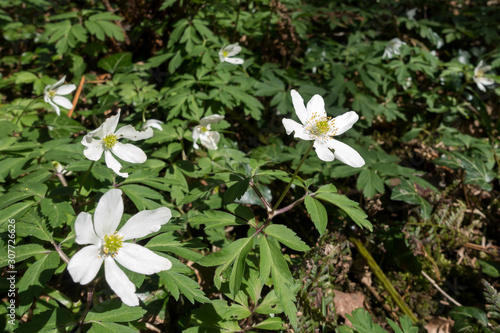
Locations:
{"points": [[318, 213], [239, 269], [227, 255], [25, 77], [236, 191], [58, 213], [169, 242], [24, 252], [176, 282], [363, 322], [34, 279], [350, 207], [106, 327], [370, 182], [274, 323], [460, 312], [114, 311], [406, 191], [215, 219], [265, 260], [48, 321], [117, 63], [287, 237], [141, 196]]}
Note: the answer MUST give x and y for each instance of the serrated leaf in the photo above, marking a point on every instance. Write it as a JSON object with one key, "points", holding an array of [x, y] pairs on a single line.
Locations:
{"points": [[350, 207], [287, 237], [370, 182], [318, 213], [407, 192], [236, 191], [239, 269], [265, 260], [57, 213], [274, 323], [363, 322], [24, 252], [187, 286]]}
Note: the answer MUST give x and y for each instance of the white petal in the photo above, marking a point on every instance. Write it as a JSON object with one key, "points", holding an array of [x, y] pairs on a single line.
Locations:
{"points": [[93, 148], [109, 126], [128, 132], [323, 152], [113, 164], [291, 125], [84, 230], [63, 101], [232, 49], [66, 89], [120, 283], [46, 96], [58, 83], [213, 119], [145, 223], [85, 264], [235, 61], [108, 213], [210, 139], [344, 122], [141, 260], [155, 123], [346, 154], [299, 106], [480, 85], [316, 105], [221, 56], [486, 81], [129, 153], [196, 135], [56, 108]]}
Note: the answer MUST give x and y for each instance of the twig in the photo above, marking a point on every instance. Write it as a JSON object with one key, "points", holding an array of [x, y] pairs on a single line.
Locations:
{"points": [[77, 96], [439, 289]]}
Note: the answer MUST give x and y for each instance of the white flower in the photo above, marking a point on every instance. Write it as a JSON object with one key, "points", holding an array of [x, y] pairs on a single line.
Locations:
{"points": [[105, 139], [153, 123], [58, 168], [226, 53], [317, 126], [208, 138], [410, 13], [108, 245], [392, 48], [463, 57], [53, 95], [479, 78]]}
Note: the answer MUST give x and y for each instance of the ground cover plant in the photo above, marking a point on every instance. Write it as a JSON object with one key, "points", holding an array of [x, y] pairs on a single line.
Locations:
{"points": [[249, 166]]}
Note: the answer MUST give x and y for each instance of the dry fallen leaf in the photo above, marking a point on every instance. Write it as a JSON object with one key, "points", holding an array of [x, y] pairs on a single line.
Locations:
{"points": [[439, 325], [345, 303]]}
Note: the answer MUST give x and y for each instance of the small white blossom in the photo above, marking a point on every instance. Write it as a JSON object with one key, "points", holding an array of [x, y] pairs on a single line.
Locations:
{"points": [[410, 13], [226, 54], [392, 48], [105, 139], [108, 245], [153, 123], [317, 126], [463, 57], [59, 168], [208, 138], [53, 95], [480, 79]]}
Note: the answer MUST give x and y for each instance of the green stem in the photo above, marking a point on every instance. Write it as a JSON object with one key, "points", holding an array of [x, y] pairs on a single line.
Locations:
{"points": [[383, 279], [85, 178], [27, 106], [293, 178]]}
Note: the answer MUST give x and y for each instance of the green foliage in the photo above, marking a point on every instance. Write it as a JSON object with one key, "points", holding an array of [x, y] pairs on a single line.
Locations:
{"points": [[260, 228]]}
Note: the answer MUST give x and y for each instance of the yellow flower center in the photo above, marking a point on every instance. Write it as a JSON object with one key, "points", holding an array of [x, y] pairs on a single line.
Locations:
{"points": [[112, 244], [52, 93], [110, 140], [204, 129], [321, 127], [479, 73], [225, 54]]}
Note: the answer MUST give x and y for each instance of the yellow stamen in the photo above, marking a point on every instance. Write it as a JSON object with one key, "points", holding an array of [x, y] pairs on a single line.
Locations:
{"points": [[225, 54], [110, 140], [112, 244]]}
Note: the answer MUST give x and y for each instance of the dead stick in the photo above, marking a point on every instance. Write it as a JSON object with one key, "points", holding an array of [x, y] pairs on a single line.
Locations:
{"points": [[77, 96]]}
